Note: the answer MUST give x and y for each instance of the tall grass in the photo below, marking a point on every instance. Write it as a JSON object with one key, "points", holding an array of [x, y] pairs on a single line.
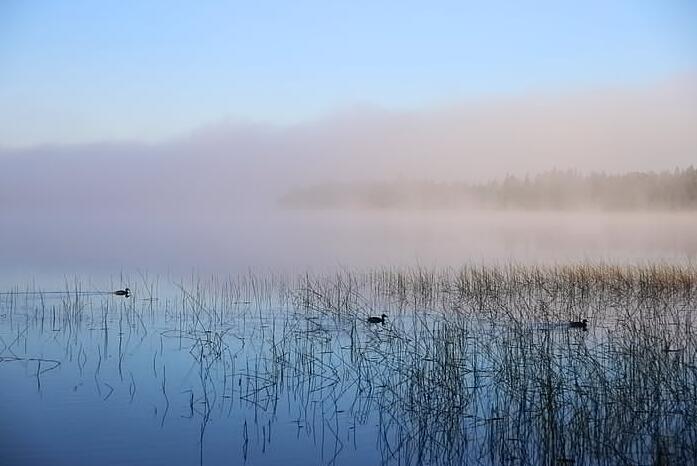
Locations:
{"points": [[474, 365]]}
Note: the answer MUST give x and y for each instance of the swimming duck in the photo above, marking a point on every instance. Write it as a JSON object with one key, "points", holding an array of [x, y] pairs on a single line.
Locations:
{"points": [[576, 324], [377, 320], [125, 292]]}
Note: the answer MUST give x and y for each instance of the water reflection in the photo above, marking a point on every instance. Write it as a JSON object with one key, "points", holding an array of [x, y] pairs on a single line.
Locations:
{"points": [[475, 366], [97, 245]]}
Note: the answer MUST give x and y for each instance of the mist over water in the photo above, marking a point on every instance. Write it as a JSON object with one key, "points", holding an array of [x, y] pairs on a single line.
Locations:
{"points": [[346, 233], [210, 201], [292, 241]]}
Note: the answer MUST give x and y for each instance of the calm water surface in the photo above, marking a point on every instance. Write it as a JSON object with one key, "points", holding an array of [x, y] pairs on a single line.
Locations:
{"points": [[45, 246], [269, 371]]}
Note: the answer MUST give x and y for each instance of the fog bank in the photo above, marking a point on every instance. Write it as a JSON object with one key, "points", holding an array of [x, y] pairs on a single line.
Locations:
{"points": [[230, 164], [208, 199]]}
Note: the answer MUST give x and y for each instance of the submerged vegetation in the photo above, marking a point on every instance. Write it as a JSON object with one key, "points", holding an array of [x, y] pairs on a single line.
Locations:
{"points": [[554, 189], [474, 365]]}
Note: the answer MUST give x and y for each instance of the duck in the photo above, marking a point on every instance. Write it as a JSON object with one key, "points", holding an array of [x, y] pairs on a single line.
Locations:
{"points": [[377, 320], [579, 324], [125, 292]]}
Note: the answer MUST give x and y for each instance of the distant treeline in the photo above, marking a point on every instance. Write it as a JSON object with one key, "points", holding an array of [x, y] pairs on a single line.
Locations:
{"points": [[556, 189]]}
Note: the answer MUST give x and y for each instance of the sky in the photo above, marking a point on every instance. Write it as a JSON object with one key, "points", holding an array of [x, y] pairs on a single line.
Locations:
{"points": [[74, 72]]}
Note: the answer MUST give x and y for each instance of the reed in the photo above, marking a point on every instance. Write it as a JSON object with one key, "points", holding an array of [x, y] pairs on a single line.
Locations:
{"points": [[474, 365]]}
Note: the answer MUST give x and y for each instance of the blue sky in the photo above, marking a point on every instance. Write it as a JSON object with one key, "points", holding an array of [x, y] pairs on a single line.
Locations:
{"points": [[84, 71]]}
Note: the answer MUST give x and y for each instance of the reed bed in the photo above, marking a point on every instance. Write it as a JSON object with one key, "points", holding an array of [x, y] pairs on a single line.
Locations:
{"points": [[476, 365]]}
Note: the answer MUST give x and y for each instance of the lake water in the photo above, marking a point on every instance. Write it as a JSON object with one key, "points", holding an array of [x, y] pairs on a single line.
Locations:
{"points": [[479, 367], [222, 356], [46, 246]]}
